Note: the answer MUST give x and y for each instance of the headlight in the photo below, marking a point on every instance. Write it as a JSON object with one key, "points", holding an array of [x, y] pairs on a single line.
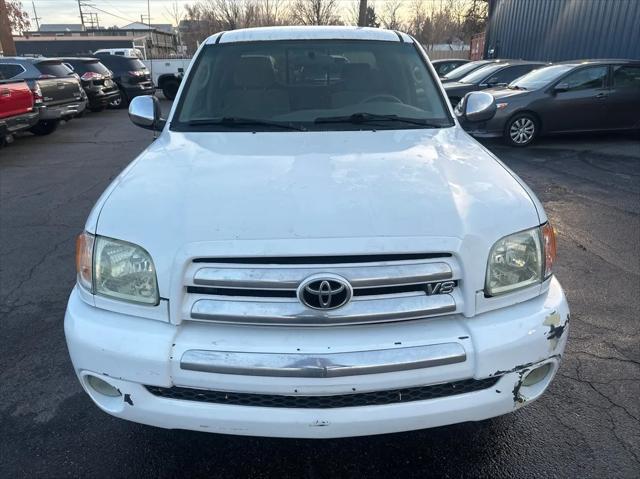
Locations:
{"points": [[515, 261], [116, 269]]}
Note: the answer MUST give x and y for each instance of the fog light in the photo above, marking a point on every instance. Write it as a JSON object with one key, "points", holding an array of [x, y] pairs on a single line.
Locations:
{"points": [[536, 375], [102, 386]]}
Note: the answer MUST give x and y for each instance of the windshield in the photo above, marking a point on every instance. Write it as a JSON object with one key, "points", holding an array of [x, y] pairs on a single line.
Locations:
{"points": [[310, 84], [463, 70], [482, 73], [540, 78]]}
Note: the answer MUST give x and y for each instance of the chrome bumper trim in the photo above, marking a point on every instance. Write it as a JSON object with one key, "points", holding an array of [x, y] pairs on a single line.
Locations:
{"points": [[323, 365], [284, 311]]}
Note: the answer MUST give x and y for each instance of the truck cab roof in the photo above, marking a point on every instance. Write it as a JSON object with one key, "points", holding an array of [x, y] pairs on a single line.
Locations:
{"points": [[308, 33]]}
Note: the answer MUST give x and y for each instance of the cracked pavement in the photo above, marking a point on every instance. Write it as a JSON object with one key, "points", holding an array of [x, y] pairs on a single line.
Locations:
{"points": [[586, 424]]}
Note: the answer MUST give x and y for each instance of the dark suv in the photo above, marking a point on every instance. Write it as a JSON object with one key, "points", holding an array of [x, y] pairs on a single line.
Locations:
{"points": [[131, 76], [96, 80], [57, 91]]}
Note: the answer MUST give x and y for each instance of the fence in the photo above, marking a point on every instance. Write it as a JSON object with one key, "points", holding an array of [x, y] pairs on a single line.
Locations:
{"points": [[477, 47], [442, 54]]}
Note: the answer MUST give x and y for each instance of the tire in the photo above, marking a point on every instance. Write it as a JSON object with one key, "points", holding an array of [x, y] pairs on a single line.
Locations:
{"points": [[121, 102], [521, 130], [170, 89], [44, 127]]}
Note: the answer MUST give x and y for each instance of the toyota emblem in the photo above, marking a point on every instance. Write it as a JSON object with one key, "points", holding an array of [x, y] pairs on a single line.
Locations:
{"points": [[325, 292]]}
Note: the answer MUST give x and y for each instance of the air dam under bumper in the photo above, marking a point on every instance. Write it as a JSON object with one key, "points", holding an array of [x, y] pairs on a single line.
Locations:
{"points": [[131, 353]]}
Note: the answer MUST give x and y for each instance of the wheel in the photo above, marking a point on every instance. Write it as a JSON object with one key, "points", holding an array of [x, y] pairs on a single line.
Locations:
{"points": [[170, 89], [521, 130], [44, 127], [120, 102]]}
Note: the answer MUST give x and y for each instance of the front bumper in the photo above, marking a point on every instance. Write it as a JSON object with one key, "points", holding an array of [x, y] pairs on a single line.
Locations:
{"points": [[131, 353]]}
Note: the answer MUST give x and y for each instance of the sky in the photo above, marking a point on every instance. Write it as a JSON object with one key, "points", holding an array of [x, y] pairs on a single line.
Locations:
{"points": [[121, 12]]}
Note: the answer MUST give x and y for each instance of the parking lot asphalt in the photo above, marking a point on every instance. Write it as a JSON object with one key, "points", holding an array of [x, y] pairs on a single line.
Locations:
{"points": [[587, 424]]}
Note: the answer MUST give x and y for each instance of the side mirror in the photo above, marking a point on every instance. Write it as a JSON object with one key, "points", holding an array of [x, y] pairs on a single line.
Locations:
{"points": [[144, 111], [560, 87], [478, 106]]}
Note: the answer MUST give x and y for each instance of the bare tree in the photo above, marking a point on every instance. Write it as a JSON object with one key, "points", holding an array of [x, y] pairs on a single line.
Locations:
{"points": [[418, 20], [174, 12], [390, 15], [315, 12], [230, 12], [352, 12], [272, 12]]}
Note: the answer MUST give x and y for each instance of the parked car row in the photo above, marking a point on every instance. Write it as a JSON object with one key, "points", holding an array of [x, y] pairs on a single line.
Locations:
{"points": [[36, 94], [530, 99]]}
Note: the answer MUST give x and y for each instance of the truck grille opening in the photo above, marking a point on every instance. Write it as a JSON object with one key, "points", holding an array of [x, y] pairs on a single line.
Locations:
{"points": [[375, 398], [285, 293]]}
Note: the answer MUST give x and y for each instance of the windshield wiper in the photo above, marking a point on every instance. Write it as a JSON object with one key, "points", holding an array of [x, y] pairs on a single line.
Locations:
{"points": [[516, 87], [233, 121], [357, 118]]}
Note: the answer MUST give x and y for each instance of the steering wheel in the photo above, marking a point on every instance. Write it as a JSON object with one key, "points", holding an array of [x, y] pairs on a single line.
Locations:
{"points": [[386, 98]]}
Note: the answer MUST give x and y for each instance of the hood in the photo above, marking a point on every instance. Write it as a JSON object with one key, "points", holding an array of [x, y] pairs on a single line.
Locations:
{"points": [[227, 190], [457, 86], [500, 93]]}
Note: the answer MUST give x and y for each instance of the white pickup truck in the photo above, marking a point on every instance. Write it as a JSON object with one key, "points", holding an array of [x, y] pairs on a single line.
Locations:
{"points": [[167, 73], [313, 247]]}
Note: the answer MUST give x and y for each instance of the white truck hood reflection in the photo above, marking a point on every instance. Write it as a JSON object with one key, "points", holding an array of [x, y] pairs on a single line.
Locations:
{"points": [[234, 187]]}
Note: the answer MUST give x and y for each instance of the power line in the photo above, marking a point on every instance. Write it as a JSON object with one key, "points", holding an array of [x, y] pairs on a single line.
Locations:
{"points": [[107, 13]]}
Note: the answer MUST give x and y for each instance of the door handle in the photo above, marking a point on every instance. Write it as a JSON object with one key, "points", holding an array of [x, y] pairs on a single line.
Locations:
{"points": [[601, 96], [5, 92]]}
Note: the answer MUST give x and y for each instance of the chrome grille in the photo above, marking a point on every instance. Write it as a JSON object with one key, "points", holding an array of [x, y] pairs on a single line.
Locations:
{"points": [[266, 292]]}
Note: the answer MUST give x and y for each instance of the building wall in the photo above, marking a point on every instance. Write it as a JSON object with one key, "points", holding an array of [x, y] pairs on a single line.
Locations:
{"points": [[61, 47], [556, 30]]}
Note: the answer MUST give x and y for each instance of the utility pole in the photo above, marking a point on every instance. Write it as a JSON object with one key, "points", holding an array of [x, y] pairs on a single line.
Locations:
{"points": [[6, 37], [362, 14], [35, 15], [81, 15]]}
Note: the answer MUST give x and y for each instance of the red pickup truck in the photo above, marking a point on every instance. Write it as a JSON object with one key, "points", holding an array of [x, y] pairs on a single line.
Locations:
{"points": [[17, 109]]}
